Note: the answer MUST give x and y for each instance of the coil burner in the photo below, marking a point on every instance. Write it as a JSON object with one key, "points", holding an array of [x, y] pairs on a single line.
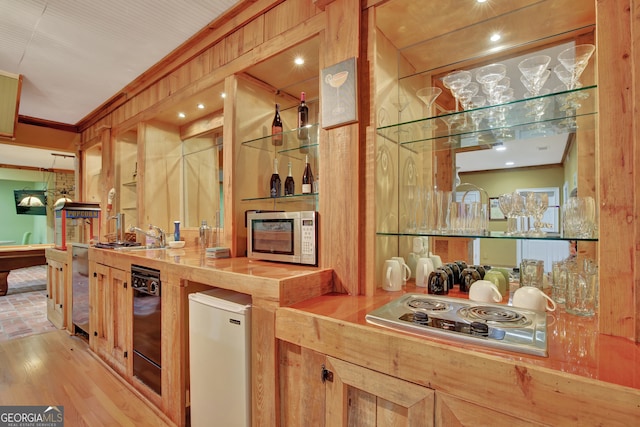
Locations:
{"points": [[491, 325]]}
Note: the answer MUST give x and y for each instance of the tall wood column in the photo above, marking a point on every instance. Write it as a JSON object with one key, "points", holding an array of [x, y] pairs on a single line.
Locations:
{"points": [[340, 177]]}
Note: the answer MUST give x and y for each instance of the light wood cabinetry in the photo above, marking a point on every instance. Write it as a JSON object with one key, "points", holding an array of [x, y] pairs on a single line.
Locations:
{"points": [[451, 411], [321, 390], [110, 316], [57, 278]]}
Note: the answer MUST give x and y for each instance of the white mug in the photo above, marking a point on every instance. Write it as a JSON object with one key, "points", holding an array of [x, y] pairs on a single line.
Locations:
{"points": [[484, 291], [532, 298], [405, 268], [437, 261], [392, 275], [424, 267]]}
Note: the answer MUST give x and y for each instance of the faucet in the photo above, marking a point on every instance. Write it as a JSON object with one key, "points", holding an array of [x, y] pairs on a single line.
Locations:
{"points": [[160, 239], [119, 226]]}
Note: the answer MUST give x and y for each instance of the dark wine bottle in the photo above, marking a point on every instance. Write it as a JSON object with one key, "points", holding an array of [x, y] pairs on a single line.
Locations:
{"points": [[307, 177], [276, 128], [275, 183], [289, 184], [303, 121]]}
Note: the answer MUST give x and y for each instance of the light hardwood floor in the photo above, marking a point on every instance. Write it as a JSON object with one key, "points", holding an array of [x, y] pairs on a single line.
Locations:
{"points": [[57, 369]]}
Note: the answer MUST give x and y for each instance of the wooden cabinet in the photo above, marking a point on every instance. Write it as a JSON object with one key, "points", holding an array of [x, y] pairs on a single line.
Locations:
{"points": [[321, 390], [57, 278], [110, 316], [451, 411]]}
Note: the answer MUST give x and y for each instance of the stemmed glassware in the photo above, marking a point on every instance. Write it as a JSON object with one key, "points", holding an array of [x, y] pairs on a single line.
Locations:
{"points": [[536, 204], [428, 95], [455, 81], [534, 73], [489, 76], [505, 203], [401, 103], [573, 62]]}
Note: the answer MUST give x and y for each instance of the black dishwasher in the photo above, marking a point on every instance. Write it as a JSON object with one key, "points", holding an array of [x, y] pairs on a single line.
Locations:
{"points": [[147, 314]]}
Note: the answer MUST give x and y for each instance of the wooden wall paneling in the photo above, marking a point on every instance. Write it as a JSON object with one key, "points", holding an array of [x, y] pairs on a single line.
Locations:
{"points": [[286, 15], [163, 175], [264, 365], [340, 160], [635, 54], [244, 39], [230, 193], [618, 263], [107, 176]]}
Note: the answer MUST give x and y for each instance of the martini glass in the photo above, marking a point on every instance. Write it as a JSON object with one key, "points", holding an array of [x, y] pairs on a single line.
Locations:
{"points": [[401, 103], [534, 72], [489, 76], [428, 95], [575, 60], [455, 81], [336, 80]]}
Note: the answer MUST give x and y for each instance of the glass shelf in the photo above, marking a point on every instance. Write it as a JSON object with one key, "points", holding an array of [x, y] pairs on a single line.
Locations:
{"points": [[490, 235], [129, 209], [292, 146], [284, 199], [564, 112], [130, 184]]}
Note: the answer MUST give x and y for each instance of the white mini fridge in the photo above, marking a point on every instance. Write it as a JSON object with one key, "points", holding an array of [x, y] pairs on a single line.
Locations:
{"points": [[220, 358]]}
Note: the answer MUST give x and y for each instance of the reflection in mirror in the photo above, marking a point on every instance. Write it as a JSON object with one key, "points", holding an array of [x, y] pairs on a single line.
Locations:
{"points": [[202, 166]]}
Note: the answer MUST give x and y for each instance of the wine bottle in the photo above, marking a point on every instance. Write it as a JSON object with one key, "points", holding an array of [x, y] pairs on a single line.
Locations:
{"points": [[275, 183], [303, 120], [276, 128], [289, 184], [307, 177]]}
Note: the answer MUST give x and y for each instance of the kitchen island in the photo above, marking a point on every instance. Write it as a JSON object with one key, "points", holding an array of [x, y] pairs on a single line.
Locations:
{"points": [[587, 379]]}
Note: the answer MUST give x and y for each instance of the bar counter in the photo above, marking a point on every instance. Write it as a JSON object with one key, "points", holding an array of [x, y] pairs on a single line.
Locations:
{"points": [[574, 344]]}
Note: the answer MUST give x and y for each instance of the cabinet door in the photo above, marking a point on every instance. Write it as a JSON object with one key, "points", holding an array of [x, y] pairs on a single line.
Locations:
{"points": [[357, 396], [99, 300], [119, 317], [55, 293], [451, 411]]}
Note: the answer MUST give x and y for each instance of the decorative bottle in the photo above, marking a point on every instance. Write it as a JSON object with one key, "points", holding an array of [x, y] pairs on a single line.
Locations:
{"points": [[275, 184], [303, 121], [276, 128], [289, 184], [307, 177]]}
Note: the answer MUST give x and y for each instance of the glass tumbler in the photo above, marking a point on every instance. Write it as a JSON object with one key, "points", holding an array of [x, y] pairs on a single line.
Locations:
{"points": [[581, 298], [532, 273]]}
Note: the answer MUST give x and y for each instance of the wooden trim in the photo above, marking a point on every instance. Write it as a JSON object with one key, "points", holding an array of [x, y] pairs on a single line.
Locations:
{"points": [[33, 121], [239, 15]]}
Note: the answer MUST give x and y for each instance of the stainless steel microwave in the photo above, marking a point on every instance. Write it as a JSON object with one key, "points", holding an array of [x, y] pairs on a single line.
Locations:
{"points": [[283, 236]]}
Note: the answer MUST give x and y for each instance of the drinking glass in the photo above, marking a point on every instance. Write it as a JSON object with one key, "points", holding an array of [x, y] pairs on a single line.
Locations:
{"points": [[520, 212], [428, 95], [505, 203], [536, 205], [582, 293], [489, 76], [443, 202], [575, 59], [532, 273], [579, 217], [455, 81], [534, 72]]}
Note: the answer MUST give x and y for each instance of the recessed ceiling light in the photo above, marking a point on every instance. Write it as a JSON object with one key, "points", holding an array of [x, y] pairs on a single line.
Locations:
{"points": [[481, 1], [182, 115], [495, 37], [509, 163], [223, 95], [500, 148], [201, 106], [299, 60]]}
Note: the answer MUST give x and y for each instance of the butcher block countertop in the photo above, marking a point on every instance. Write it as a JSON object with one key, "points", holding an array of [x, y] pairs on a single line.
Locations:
{"points": [[597, 375], [283, 283]]}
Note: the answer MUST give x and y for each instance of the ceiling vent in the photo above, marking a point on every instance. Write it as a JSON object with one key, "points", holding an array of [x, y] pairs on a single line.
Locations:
{"points": [[10, 86]]}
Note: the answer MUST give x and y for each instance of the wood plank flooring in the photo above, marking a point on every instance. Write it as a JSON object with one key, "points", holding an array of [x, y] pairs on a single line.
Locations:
{"points": [[57, 369]]}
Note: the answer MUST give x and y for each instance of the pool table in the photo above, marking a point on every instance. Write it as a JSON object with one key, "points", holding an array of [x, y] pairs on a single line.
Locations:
{"points": [[19, 256]]}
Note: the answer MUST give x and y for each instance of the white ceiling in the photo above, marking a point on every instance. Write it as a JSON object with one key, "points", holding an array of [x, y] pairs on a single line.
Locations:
{"points": [[74, 55]]}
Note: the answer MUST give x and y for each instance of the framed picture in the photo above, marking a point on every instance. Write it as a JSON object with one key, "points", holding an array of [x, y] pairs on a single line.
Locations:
{"points": [[339, 94], [495, 214]]}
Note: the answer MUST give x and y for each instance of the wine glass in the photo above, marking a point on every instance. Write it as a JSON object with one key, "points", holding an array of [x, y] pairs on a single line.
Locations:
{"points": [[428, 95], [519, 211], [505, 203], [536, 205]]}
